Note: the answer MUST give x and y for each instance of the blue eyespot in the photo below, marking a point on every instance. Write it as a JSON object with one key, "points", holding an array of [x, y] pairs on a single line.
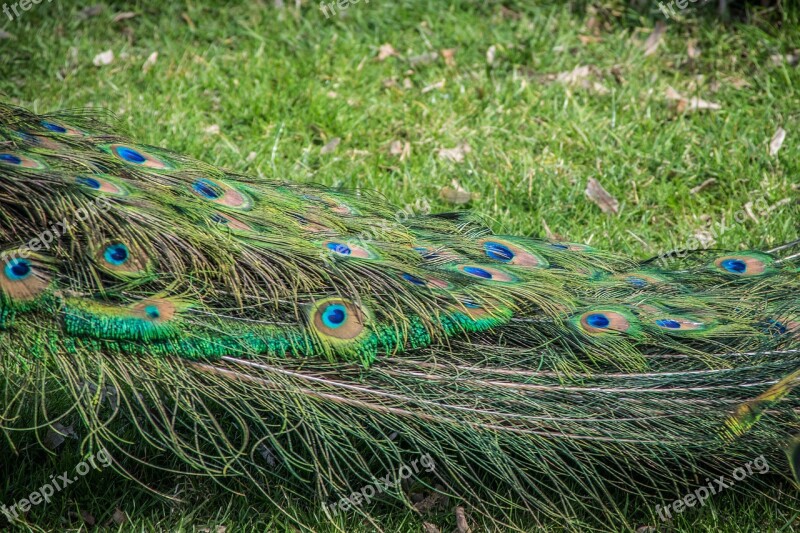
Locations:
{"points": [[339, 248], [636, 282], [18, 269], [776, 327], [116, 254], [89, 182], [499, 252], [598, 320], [470, 304], [734, 266], [130, 155], [414, 280], [668, 324], [152, 312], [334, 316], [10, 159], [54, 127], [479, 272], [207, 189]]}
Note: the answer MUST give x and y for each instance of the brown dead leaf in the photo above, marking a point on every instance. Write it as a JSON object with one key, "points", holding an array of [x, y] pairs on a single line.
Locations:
{"points": [[427, 527], [692, 49], [119, 517], [213, 129], [461, 521], [703, 186], [455, 154], [57, 434], [433, 86], [423, 59], [407, 83], [430, 502], [791, 60], [449, 56], [103, 58], [738, 83], [385, 52], [654, 40], [123, 15], [400, 149], [149, 62], [189, 22], [689, 104], [5, 35], [456, 194], [490, 55], [589, 39], [331, 146], [777, 141], [91, 11], [597, 194], [87, 518]]}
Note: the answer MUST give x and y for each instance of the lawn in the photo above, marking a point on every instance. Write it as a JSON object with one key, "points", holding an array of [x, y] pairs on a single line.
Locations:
{"points": [[506, 108]]}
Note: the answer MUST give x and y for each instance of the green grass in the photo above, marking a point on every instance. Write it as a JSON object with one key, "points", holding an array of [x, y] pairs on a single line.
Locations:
{"points": [[281, 84]]}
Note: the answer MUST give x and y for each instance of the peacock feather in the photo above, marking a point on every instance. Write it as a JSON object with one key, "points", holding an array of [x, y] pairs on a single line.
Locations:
{"points": [[233, 314]]}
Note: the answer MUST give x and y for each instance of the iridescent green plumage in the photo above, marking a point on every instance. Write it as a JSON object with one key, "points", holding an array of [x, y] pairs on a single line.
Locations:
{"points": [[225, 309]]}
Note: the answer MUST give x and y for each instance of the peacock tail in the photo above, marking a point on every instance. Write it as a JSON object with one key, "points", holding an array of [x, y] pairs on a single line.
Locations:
{"points": [[232, 315]]}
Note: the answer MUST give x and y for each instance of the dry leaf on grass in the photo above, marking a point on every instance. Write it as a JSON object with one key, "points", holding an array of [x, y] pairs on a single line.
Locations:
{"points": [[455, 154], [433, 86], [490, 55], [448, 54], [331, 146], [57, 433], [423, 59], [777, 141], [461, 521], [5, 35], [427, 527], [703, 186], [91, 11], [692, 50], [456, 194], [149, 62], [124, 15], [386, 51], [103, 58], [597, 194], [654, 40], [689, 104], [791, 60], [400, 149], [213, 129]]}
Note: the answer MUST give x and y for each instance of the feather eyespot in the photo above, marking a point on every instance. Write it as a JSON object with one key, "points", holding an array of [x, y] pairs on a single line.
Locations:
{"points": [[229, 222], [605, 320], [23, 279], [486, 273], [744, 265], [122, 259], [571, 247], [61, 129], [425, 282], [156, 311], [512, 254], [138, 157], [19, 160], [348, 250], [679, 324], [338, 319], [102, 184], [221, 193]]}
